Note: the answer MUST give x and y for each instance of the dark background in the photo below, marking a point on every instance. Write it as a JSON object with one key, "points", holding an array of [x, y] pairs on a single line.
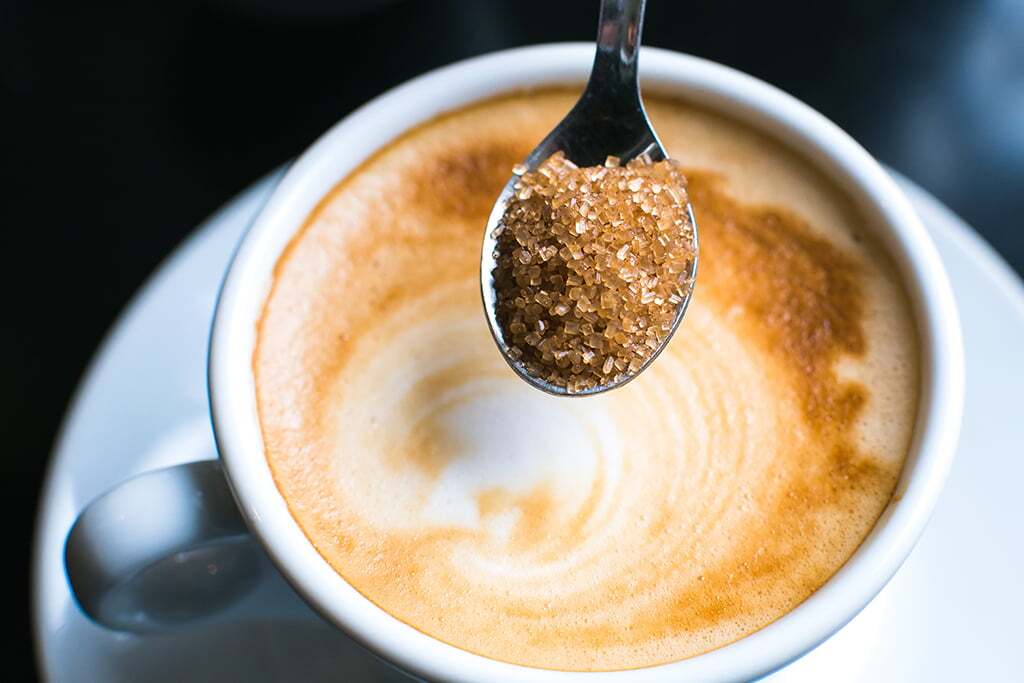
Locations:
{"points": [[123, 126]]}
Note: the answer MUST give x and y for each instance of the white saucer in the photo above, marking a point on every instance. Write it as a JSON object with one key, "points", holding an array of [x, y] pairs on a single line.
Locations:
{"points": [[952, 613]]}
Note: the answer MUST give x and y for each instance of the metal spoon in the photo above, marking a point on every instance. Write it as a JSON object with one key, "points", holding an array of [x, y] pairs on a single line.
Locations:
{"points": [[608, 119]]}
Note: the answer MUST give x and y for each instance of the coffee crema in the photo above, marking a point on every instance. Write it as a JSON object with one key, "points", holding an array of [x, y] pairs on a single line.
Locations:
{"points": [[675, 515]]}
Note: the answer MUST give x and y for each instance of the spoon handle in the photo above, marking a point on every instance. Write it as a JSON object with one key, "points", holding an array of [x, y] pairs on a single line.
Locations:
{"points": [[618, 43]]}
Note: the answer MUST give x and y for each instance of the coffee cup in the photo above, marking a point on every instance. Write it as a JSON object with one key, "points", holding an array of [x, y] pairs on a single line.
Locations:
{"points": [[208, 510]]}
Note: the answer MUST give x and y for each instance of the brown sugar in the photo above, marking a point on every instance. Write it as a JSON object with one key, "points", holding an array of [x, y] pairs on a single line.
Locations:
{"points": [[591, 265]]}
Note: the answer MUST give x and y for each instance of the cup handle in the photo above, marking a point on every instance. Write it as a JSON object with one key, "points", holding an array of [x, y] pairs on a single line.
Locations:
{"points": [[162, 549]]}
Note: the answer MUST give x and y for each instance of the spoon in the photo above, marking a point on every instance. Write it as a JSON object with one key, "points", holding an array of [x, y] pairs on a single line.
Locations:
{"points": [[608, 120]]}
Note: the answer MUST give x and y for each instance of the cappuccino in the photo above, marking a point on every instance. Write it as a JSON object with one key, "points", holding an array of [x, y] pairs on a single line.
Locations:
{"points": [[697, 504]]}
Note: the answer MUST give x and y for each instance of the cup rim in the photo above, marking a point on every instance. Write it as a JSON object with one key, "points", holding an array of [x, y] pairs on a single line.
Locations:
{"points": [[345, 145]]}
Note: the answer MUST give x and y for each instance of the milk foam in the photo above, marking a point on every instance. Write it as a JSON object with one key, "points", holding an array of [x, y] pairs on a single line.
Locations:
{"points": [[693, 506]]}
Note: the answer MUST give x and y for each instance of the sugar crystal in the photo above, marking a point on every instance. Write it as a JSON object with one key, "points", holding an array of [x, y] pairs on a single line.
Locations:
{"points": [[591, 265]]}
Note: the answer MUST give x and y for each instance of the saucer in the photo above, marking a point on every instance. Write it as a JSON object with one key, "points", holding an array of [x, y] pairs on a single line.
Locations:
{"points": [[951, 613]]}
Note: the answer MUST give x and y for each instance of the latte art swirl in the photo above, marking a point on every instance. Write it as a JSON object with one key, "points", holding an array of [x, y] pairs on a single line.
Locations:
{"points": [[681, 512]]}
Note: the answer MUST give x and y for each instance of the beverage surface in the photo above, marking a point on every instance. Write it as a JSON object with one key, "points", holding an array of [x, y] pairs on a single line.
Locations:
{"points": [[702, 501]]}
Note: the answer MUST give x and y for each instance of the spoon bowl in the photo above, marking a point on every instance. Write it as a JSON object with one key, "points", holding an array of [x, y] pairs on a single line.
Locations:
{"points": [[608, 120]]}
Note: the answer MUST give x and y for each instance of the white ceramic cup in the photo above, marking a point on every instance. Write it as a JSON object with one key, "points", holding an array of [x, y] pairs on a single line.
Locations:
{"points": [[96, 560]]}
